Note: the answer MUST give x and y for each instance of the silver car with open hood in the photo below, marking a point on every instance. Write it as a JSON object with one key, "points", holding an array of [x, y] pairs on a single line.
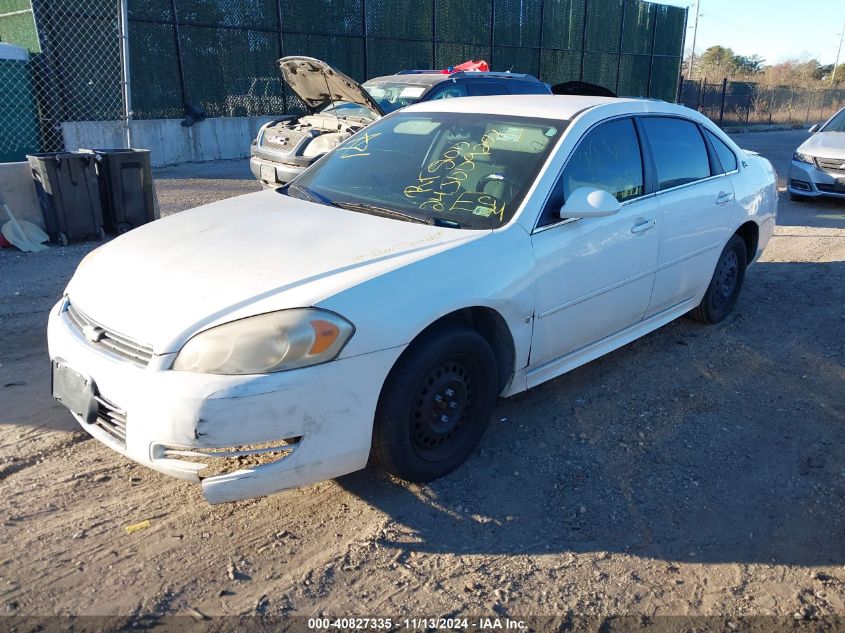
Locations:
{"points": [[337, 107]]}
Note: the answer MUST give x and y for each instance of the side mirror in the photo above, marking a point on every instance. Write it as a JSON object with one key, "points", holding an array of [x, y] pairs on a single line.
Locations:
{"points": [[814, 129], [586, 202]]}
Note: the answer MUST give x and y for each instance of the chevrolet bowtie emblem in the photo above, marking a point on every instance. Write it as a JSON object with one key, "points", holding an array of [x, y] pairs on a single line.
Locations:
{"points": [[93, 333]]}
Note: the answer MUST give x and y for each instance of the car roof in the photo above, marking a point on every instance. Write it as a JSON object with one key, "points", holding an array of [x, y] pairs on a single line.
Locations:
{"points": [[547, 106], [432, 77]]}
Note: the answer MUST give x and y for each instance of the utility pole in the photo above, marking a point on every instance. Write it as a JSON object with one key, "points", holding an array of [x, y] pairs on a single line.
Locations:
{"points": [[694, 36], [838, 53]]}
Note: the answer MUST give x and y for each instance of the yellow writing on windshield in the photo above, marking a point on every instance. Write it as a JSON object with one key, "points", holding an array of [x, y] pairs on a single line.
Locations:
{"points": [[359, 147], [440, 186]]}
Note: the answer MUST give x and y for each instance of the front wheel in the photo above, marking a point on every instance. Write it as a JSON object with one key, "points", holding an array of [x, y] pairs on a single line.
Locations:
{"points": [[725, 285], [435, 404]]}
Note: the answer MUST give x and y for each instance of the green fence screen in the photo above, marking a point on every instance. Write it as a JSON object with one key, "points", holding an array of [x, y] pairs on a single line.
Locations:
{"points": [[220, 54]]}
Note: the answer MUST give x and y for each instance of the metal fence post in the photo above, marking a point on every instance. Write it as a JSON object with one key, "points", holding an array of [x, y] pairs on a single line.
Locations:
{"points": [[281, 52], [807, 116], [180, 66], [364, 31], [771, 105], [123, 12], [724, 96], [701, 87], [791, 105]]}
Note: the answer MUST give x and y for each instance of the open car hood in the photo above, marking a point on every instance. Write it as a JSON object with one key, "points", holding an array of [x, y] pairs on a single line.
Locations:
{"points": [[318, 84]]}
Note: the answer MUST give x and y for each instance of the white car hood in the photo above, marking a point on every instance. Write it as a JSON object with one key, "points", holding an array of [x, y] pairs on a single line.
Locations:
{"points": [[162, 282], [825, 145]]}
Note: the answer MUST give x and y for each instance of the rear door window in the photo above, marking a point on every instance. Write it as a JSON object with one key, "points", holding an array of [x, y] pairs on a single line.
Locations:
{"points": [[451, 91], [485, 88], [527, 88], [726, 155], [680, 154]]}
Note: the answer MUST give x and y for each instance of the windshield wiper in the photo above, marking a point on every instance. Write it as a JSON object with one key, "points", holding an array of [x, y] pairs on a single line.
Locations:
{"points": [[393, 213], [312, 195], [315, 196]]}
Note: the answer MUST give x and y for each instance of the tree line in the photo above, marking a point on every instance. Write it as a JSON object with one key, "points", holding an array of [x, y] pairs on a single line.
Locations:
{"points": [[718, 62]]}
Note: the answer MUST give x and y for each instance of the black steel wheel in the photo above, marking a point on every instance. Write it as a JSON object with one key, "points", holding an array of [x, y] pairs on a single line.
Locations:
{"points": [[724, 288], [435, 404]]}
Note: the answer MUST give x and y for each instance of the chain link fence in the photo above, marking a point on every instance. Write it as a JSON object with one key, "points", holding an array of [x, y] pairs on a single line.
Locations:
{"points": [[217, 57], [68, 79], [741, 103]]}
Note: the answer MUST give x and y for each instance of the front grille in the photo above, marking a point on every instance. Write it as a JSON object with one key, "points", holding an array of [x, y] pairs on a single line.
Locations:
{"points": [[288, 140], [110, 341], [111, 419], [831, 164], [825, 188]]}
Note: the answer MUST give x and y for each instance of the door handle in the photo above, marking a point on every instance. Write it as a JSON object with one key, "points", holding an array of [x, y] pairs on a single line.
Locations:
{"points": [[724, 197], [642, 226]]}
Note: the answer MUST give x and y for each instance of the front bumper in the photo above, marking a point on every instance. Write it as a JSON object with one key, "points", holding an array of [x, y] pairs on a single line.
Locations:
{"points": [[806, 180], [330, 407], [274, 172]]}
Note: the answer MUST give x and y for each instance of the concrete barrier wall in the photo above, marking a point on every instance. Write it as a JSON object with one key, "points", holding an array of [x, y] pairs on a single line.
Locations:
{"points": [[18, 192], [169, 142]]}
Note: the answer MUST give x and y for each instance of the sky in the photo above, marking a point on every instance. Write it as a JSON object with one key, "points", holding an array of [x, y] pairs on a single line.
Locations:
{"points": [[776, 30]]}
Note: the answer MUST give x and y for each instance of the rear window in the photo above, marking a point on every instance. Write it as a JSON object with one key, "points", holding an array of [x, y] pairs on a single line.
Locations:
{"points": [[726, 155], [679, 151]]}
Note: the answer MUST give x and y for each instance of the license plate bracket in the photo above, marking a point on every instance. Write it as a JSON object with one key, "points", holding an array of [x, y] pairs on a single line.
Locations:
{"points": [[268, 173], [74, 390]]}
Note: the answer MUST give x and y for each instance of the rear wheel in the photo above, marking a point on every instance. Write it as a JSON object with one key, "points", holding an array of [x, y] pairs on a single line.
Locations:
{"points": [[435, 404], [725, 285]]}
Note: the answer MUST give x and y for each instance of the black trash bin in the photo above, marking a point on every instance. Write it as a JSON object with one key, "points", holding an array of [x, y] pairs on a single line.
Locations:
{"points": [[126, 188], [66, 184]]}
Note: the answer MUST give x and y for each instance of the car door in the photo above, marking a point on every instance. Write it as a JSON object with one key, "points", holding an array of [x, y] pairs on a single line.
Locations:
{"points": [[696, 205], [594, 276]]}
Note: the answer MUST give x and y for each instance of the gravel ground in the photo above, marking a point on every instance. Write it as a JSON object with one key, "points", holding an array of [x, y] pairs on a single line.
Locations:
{"points": [[697, 471]]}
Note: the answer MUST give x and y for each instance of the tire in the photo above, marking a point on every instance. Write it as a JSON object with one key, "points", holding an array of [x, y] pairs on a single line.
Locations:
{"points": [[418, 433], [725, 285]]}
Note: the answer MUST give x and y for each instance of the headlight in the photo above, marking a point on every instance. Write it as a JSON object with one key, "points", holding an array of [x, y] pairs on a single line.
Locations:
{"points": [[803, 158], [266, 343]]}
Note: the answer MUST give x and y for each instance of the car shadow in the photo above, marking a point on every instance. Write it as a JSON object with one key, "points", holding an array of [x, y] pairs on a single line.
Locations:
{"points": [[826, 213], [696, 443]]}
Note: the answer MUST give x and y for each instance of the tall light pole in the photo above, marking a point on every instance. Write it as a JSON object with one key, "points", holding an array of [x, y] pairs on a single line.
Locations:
{"points": [[694, 35], [838, 53]]}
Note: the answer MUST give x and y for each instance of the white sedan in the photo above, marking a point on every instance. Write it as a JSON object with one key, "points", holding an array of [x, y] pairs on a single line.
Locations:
{"points": [[452, 252], [818, 165]]}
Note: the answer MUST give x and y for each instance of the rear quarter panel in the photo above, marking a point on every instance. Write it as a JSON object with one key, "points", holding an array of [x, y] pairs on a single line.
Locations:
{"points": [[755, 188]]}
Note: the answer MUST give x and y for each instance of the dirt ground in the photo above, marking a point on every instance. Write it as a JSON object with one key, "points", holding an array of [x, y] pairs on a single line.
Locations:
{"points": [[699, 470]]}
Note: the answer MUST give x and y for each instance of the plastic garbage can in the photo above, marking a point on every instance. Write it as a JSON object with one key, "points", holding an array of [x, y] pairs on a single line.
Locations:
{"points": [[66, 184], [126, 188]]}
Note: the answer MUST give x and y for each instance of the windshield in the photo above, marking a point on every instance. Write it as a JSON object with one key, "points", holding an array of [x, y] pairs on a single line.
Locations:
{"points": [[836, 124], [347, 108], [392, 96], [466, 170]]}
